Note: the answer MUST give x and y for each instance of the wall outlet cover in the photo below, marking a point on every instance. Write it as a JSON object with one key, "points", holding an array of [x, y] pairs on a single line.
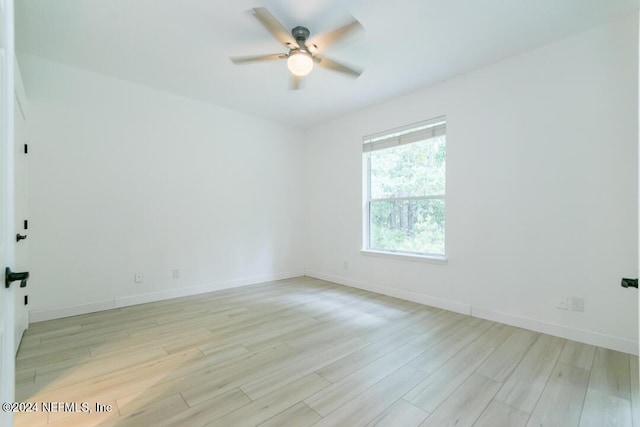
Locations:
{"points": [[577, 304], [561, 304]]}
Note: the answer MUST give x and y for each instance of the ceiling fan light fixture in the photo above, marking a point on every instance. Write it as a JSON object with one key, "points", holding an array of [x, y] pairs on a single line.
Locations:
{"points": [[300, 63]]}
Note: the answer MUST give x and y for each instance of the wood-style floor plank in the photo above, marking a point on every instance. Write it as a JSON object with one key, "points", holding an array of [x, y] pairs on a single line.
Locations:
{"points": [[635, 390], [305, 352], [507, 357], [298, 415], [464, 333], [499, 414], [439, 385], [267, 406], [603, 409], [283, 376], [578, 354], [368, 405], [208, 410], [463, 407], [359, 381], [608, 399], [401, 413], [562, 398], [610, 373], [358, 359], [523, 388]]}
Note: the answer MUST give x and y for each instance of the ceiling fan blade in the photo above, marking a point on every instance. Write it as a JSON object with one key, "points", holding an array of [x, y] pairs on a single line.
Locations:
{"points": [[336, 66], [295, 82], [322, 41], [274, 26], [257, 58]]}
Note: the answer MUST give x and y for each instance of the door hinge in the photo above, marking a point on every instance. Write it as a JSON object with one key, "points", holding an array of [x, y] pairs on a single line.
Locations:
{"points": [[26, 299], [26, 148]]}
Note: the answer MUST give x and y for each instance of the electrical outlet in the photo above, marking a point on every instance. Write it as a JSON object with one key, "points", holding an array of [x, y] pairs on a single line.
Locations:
{"points": [[138, 278], [577, 304], [175, 273], [345, 265], [561, 304]]}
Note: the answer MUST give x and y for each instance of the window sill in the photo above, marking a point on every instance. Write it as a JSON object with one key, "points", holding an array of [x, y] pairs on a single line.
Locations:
{"points": [[429, 259]]}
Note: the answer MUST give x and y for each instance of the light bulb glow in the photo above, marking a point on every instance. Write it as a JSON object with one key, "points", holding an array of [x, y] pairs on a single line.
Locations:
{"points": [[300, 63]]}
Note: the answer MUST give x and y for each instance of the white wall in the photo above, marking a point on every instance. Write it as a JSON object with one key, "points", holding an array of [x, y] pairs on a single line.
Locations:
{"points": [[127, 179], [541, 190]]}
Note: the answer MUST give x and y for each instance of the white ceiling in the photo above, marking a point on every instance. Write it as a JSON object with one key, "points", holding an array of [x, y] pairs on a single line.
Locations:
{"points": [[183, 46]]}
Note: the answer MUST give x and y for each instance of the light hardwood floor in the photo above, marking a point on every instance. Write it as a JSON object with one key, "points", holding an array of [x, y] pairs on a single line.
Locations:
{"points": [[303, 352]]}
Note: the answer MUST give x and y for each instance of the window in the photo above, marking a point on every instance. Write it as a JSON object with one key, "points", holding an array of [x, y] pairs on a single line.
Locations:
{"points": [[404, 190]]}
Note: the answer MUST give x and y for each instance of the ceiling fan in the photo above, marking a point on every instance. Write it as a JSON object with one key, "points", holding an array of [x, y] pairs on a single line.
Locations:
{"points": [[303, 52]]}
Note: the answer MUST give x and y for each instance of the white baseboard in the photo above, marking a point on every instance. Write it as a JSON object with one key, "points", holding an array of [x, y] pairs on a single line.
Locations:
{"points": [[588, 337], [68, 311], [445, 304], [128, 300], [580, 335]]}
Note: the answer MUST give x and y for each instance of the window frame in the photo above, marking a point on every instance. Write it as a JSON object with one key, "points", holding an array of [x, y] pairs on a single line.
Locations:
{"points": [[408, 134]]}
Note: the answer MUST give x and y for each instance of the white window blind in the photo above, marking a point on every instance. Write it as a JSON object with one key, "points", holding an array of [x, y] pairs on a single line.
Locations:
{"points": [[405, 135]]}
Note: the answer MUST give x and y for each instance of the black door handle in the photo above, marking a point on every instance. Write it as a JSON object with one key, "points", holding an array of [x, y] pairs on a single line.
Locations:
{"points": [[629, 283], [20, 237], [10, 276]]}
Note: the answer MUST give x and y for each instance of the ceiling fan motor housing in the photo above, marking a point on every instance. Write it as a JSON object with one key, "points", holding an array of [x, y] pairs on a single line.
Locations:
{"points": [[299, 33]]}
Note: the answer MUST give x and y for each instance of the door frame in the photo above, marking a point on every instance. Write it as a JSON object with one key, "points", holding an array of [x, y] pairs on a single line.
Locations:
{"points": [[20, 203], [7, 228]]}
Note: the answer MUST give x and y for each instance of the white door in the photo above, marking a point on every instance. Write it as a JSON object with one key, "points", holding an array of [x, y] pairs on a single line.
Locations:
{"points": [[7, 246], [20, 207]]}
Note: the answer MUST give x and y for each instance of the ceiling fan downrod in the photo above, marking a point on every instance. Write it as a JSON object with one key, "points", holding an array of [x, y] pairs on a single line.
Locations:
{"points": [[301, 34]]}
